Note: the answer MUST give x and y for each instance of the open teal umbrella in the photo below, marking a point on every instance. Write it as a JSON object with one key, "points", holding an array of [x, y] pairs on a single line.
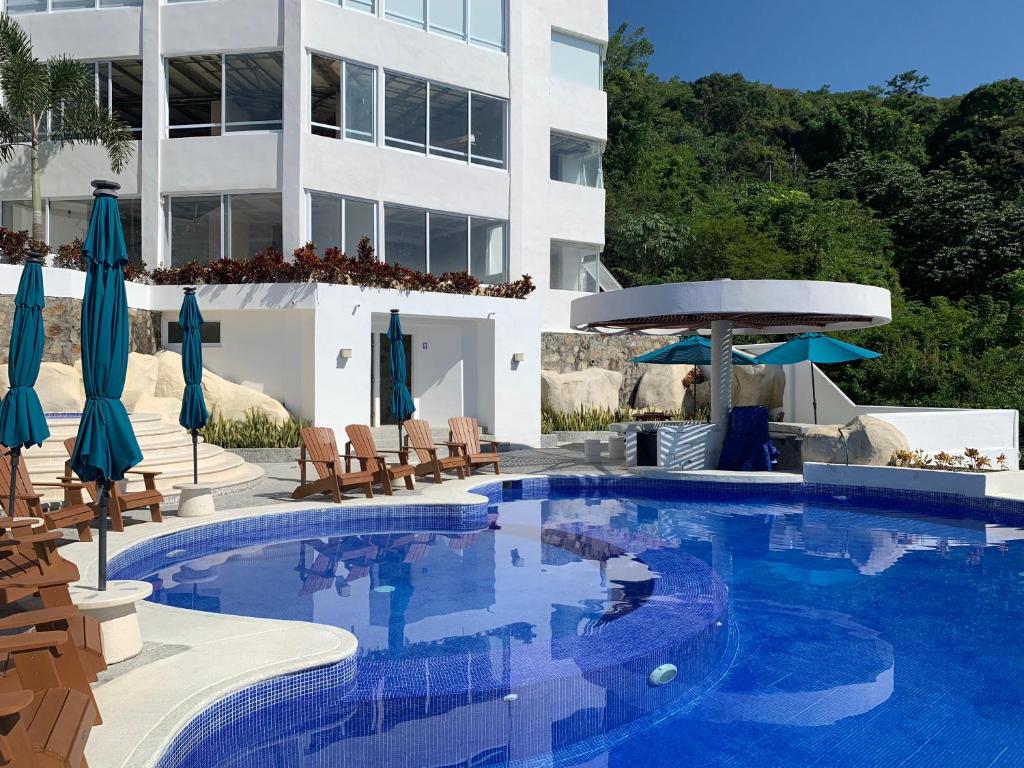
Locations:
{"points": [[106, 447], [693, 350], [194, 415], [816, 349], [22, 421], [402, 405]]}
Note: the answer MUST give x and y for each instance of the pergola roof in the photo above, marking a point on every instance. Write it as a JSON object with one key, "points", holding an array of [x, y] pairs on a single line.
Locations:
{"points": [[753, 306]]}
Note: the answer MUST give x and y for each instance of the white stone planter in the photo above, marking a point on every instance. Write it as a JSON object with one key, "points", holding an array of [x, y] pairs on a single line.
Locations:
{"points": [[971, 484], [114, 609]]}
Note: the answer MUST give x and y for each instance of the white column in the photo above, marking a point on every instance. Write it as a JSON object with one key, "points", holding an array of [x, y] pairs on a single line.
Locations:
{"points": [[154, 121], [721, 375], [294, 113]]}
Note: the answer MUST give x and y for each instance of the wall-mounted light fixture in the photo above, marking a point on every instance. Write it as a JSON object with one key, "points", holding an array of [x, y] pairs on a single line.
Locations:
{"points": [[518, 357], [345, 354]]}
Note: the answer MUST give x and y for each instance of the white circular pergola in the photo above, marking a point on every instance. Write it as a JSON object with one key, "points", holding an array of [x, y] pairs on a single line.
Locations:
{"points": [[723, 308]]}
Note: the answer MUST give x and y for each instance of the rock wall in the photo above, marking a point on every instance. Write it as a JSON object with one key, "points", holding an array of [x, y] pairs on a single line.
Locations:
{"points": [[567, 352], [62, 323]]}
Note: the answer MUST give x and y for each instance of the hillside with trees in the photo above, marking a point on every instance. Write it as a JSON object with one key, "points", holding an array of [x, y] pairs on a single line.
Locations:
{"points": [[724, 177]]}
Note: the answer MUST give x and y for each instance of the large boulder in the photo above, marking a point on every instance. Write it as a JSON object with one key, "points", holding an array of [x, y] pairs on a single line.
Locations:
{"points": [[140, 380], [590, 388], [661, 387], [758, 385], [59, 387], [868, 440]]}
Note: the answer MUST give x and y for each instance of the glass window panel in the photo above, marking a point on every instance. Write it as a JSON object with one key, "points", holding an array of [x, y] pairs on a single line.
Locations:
{"points": [[361, 5], [125, 85], [487, 251], [119, 3], [194, 95], [487, 23], [253, 90], [488, 131], [405, 237], [574, 267], [449, 251], [67, 5], [325, 95], [575, 160], [405, 11], [405, 112], [575, 60], [255, 224], [69, 219], [131, 222], [448, 17], [325, 221], [25, 6], [358, 102], [449, 122], [195, 229], [360, 222], [17, 215]]}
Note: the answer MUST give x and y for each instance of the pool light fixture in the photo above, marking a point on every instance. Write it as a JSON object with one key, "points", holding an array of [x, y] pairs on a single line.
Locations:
{"points": [[662, 675]]}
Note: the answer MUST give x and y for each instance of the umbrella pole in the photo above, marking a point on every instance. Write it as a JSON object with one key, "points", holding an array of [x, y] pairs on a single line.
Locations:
{"points": [[814, 394], [12, 495], [104, 501], [195, 457]]}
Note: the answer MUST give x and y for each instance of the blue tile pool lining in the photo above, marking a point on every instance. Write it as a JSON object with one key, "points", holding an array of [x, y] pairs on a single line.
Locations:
{"points": [[473, 516]]}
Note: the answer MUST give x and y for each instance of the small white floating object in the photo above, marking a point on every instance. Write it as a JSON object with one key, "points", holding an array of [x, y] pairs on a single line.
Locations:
{"points": [[175, 553], [510, 697], [384, 588], [664, 674]]}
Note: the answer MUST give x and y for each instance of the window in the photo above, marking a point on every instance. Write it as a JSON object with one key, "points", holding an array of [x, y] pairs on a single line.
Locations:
{"points": [[210, 94], [119, 89], [480, 22], [341, 222], [16, 215], [576, 60], [464, 126], [575, 160], [367, 6], [209, 332], [205, 228], [435, 242], [69, 219], [575, 267], [41, 6], [334, 83], [65, 220]]}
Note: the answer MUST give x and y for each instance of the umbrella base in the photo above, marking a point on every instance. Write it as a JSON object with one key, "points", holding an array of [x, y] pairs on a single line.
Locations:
{"points": [[196, 500], [114, 609]]}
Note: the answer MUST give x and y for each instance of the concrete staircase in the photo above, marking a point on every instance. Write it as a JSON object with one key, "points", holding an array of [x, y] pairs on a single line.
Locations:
{"points": [[166, 448]]}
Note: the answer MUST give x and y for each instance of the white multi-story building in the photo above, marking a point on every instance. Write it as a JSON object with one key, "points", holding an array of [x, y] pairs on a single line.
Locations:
{"points": [[456, 134]]}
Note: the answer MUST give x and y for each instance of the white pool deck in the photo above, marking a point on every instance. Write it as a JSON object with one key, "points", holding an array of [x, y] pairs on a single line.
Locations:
{"points": [[192, 659]]}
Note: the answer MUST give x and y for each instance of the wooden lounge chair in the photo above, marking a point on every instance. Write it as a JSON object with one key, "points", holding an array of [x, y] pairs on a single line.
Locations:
{"points": [[121, 502], [465, 430], [420, 438], [47, 729], [24, 553], [319, 445], [361, 447], [75, 512]]}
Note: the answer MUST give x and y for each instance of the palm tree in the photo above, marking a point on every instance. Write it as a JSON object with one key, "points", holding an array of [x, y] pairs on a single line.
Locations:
{"points": [[60, 91]]}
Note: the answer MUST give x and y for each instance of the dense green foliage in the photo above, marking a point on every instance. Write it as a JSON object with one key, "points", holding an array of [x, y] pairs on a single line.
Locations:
{"points": [[723, 177], [254, 431]]}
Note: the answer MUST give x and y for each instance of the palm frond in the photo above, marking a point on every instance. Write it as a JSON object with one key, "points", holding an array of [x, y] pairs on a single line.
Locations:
{"points": [[25, 82], [70, 80], [14, 40], [12, 135], [88, 123]]}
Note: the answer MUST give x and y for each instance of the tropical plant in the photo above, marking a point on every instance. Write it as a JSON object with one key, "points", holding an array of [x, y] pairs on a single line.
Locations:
{"points": [[256, 430], [971, 460], [589, 419], [51, 103]]}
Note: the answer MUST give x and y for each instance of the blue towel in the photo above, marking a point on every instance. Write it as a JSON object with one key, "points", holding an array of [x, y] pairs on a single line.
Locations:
{"points": [[747, 447]]}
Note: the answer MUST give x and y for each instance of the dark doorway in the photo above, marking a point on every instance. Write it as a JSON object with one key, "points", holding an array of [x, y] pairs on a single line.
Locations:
{"points": [[386, 383]]}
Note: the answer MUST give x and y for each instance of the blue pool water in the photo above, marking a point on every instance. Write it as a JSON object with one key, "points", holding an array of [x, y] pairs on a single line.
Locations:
{"points": [[807, 631]]}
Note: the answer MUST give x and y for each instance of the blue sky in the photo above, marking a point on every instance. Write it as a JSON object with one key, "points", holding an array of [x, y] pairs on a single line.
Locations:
{"points": [[846, 44]]}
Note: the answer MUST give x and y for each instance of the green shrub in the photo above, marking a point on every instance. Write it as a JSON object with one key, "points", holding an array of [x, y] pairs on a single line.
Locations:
{"points": [[256, 430], [589, 419]]}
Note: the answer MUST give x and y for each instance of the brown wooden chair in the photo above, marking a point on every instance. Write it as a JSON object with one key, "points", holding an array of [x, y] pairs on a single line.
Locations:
{"points": [[420, 438], [465, 431], [120, 502], [319, 445], [26, 553], [361, 447], [44, 730], [75, 512]]}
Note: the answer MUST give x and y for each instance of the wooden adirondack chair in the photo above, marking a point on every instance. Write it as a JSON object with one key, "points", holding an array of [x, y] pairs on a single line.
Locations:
{"points": [[121, 502], [75, 512], [319, 445], [361, 447], [24, 553], [44, 730], [420, 438], [465, 431]]}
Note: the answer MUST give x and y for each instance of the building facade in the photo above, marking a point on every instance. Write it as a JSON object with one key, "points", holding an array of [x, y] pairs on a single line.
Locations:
{"points": [[458, 135]]}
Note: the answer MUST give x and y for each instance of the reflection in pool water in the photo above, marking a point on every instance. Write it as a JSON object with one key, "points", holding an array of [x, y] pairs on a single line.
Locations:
{"points": [[805, 632]]}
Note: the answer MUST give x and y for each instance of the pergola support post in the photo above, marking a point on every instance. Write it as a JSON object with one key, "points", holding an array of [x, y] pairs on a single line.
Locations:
{"points": [[721, 379]]}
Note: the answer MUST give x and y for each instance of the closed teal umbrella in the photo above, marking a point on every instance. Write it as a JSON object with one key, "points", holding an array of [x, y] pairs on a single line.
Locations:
{"points": [[194, 415], [693, 350], [402, 405], [815, 348], [22, 422], [106, 447]]}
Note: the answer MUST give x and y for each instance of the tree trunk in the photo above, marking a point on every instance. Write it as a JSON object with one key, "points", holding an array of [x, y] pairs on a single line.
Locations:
{"points": [[38, 233]]}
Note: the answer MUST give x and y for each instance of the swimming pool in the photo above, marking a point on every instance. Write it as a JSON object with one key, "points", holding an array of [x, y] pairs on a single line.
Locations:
{"points": [[805, 630]]}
